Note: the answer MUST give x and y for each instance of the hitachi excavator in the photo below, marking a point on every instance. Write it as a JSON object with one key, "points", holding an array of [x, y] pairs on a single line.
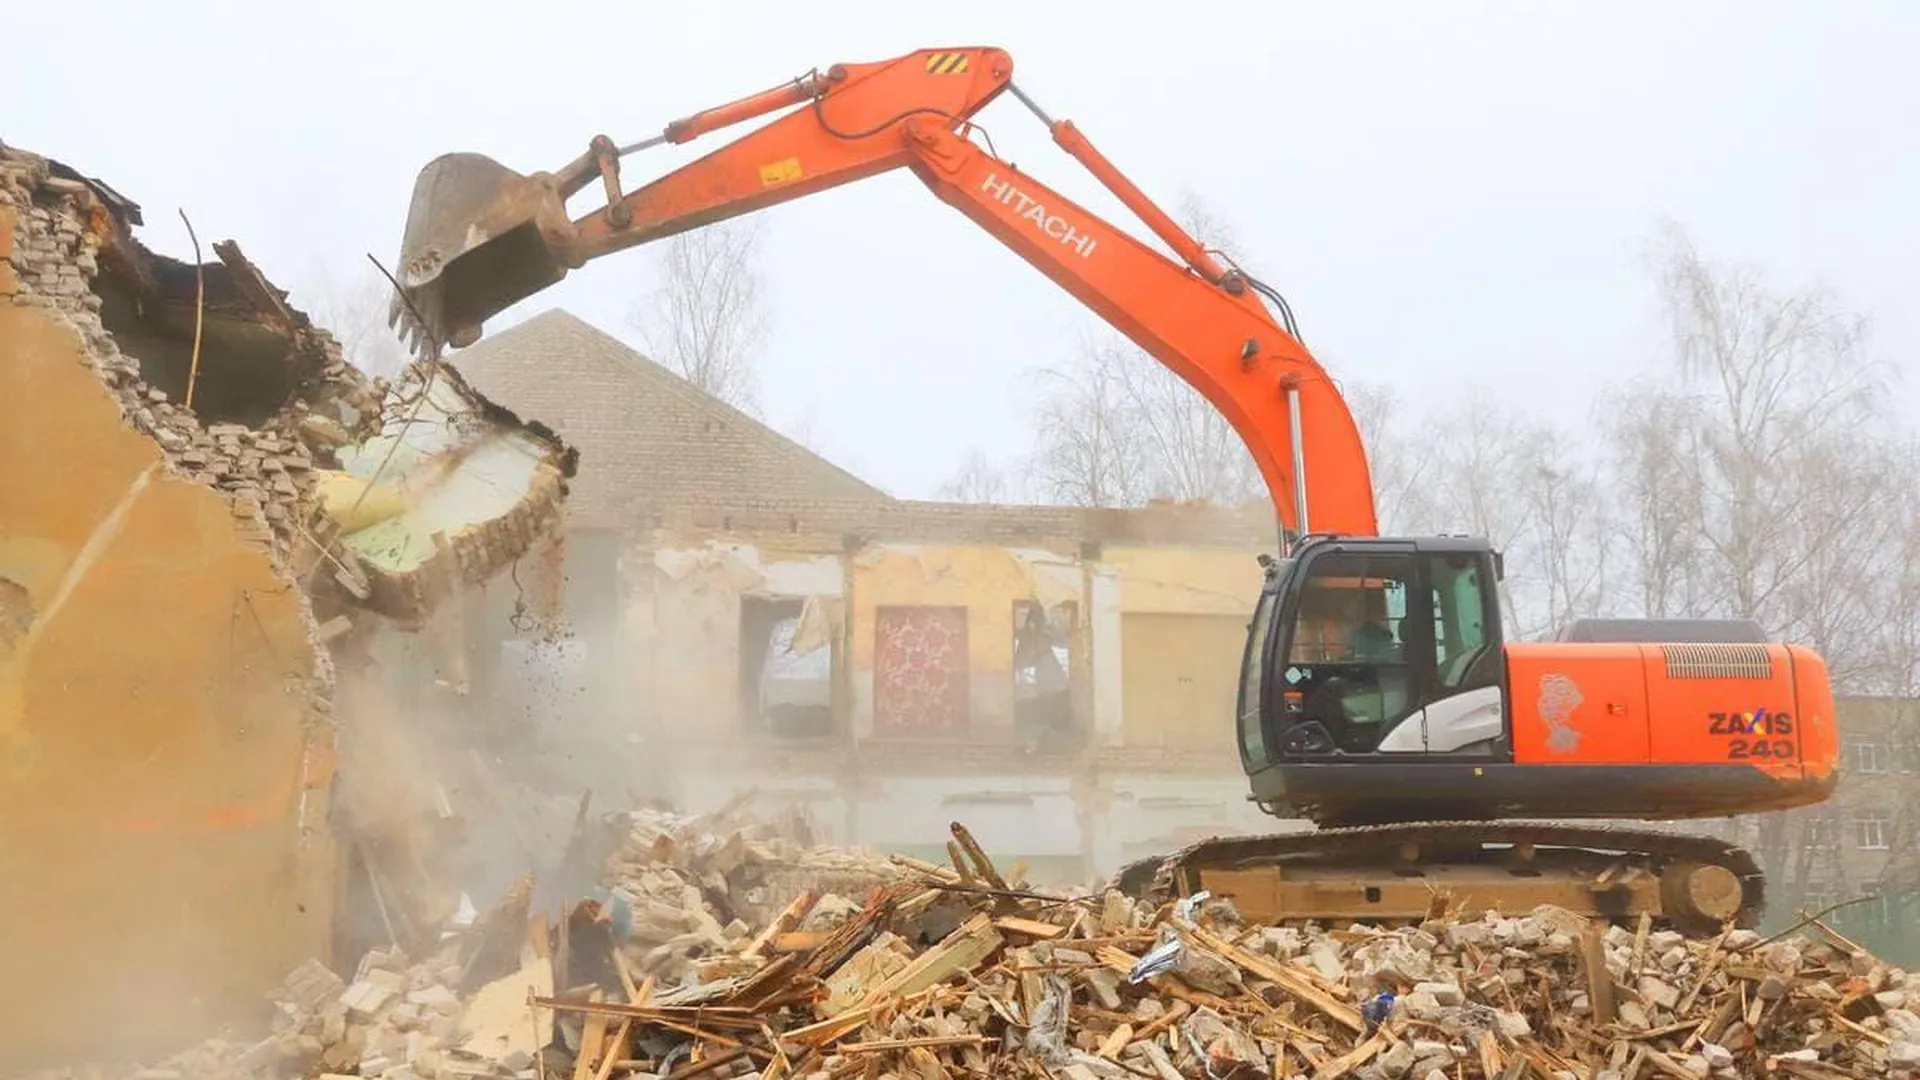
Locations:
{"points": [[1378, 698]]}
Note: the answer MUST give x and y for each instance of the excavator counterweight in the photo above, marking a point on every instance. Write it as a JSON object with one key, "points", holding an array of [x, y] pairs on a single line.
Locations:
{"points": [[1379, 699]]}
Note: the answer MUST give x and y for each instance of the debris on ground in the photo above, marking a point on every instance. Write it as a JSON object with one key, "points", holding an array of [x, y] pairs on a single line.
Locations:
{"points": [[722, 947]]}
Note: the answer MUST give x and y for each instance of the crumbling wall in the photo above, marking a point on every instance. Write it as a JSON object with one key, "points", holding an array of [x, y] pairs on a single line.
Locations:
{"points": [[203, 510], [162, 698]]}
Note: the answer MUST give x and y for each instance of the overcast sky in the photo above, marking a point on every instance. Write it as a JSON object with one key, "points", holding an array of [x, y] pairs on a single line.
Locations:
{"points": [[1443, 190]]}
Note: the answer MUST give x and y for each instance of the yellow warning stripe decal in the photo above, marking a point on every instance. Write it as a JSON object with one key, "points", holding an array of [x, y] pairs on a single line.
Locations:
{"points": [[947, 63]]}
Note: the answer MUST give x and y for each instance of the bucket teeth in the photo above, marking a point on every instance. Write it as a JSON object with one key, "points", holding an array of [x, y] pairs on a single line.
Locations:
{"points": [[478, 239], [419, 339]]}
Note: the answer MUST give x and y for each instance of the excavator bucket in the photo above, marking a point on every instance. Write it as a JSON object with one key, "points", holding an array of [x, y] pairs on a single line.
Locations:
{"points": [[478, 240]]}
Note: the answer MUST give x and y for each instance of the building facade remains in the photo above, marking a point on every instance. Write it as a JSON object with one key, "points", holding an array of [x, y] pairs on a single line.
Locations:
{"points": [[738, 613]]}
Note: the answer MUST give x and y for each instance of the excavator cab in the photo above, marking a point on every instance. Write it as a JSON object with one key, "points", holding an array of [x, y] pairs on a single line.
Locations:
{"points": [[1384, 651]]}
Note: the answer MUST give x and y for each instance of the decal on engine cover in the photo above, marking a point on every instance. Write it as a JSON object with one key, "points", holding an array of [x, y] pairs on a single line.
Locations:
{"points": [[1560, 697]]}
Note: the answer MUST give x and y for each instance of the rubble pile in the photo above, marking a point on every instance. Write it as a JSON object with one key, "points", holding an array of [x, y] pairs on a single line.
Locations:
{"points": [[688, 966], [732, 868]]}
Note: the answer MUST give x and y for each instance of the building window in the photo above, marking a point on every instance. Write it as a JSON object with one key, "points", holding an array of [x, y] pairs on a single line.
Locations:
{"points": [[1866, 758], [1906, 753], [1043, 672], [1871, 829], [786, 667], [1818, 832]]}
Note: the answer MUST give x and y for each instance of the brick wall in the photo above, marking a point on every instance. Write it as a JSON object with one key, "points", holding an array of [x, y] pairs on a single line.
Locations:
{"points": [[809, 523], [645, 435]]}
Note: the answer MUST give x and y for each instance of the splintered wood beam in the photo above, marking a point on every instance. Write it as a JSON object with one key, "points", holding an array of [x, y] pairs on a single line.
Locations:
{"points": [[982, 866], [1593, 957]]}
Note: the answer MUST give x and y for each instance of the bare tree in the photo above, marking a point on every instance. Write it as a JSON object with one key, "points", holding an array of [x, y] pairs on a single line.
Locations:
{"points": [[804, 428], [1118, 428], [1399, 471], [1567, 512], [1776, 378], [1206, 223], [1192, 453], [1760, 460], [353, 308], [1896, 667], [1648, 434], [978, 481], [706, 318], [1086, 450]]}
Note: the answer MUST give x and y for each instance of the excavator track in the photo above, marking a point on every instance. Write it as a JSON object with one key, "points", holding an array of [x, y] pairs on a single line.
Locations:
{"points": [[1399, 872]]}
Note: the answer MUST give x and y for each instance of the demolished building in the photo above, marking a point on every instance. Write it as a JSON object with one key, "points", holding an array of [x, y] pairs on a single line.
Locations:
{"points": [[205, 515]]}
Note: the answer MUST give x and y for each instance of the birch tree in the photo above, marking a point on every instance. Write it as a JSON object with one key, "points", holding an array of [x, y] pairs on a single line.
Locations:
{"points": [[977, 481], [705, 318], [1119, 426]]}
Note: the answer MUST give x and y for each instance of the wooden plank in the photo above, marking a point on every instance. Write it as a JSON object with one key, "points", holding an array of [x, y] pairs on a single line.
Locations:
{"points": [[593, 1038], [798, 941], [982, 866], [1492, 1062], [1345, 1064], [1593, 956], [616, 1049], [1175, 1013], [1287, 979], [969, 944], [1714, 958], [1032, 928], [788, 918], [907, 1044], [1640, 935], [852, 982]]}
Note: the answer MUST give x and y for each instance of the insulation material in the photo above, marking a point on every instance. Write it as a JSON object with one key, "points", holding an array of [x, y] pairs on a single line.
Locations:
{"points": [[464, 491]]}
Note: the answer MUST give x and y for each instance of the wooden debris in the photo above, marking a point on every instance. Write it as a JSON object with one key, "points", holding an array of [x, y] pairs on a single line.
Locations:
{"points": [[730, 947]]}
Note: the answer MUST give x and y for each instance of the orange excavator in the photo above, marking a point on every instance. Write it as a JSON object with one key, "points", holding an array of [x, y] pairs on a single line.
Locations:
{"points": [[1378, 698]]}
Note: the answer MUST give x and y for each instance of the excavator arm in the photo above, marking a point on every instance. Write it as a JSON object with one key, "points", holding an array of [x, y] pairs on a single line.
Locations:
{"points": [[479, 238]]}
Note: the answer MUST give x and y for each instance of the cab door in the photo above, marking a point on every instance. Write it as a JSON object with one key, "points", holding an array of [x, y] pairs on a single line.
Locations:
{"points": [[1354, 649]]}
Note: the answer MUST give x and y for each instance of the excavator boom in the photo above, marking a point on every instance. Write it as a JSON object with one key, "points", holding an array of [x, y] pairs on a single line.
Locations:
{"points": [[1378, 698], [479, 238]]}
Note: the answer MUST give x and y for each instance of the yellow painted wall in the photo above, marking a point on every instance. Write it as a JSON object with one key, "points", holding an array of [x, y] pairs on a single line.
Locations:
{"points": [[1189, 580], [1180, 679], [154, 734], [984, 580]]}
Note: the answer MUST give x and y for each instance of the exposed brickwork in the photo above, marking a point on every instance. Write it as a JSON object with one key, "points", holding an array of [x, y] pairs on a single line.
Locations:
{"points": [[646, 436], [656, 453], [812, 523], [9, 220], [70, 248], [64, 230]]}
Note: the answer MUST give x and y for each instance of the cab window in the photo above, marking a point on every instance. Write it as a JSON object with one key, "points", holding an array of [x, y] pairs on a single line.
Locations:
{"points": [[1459, 617], [1253, 666], [1348, 664]]}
